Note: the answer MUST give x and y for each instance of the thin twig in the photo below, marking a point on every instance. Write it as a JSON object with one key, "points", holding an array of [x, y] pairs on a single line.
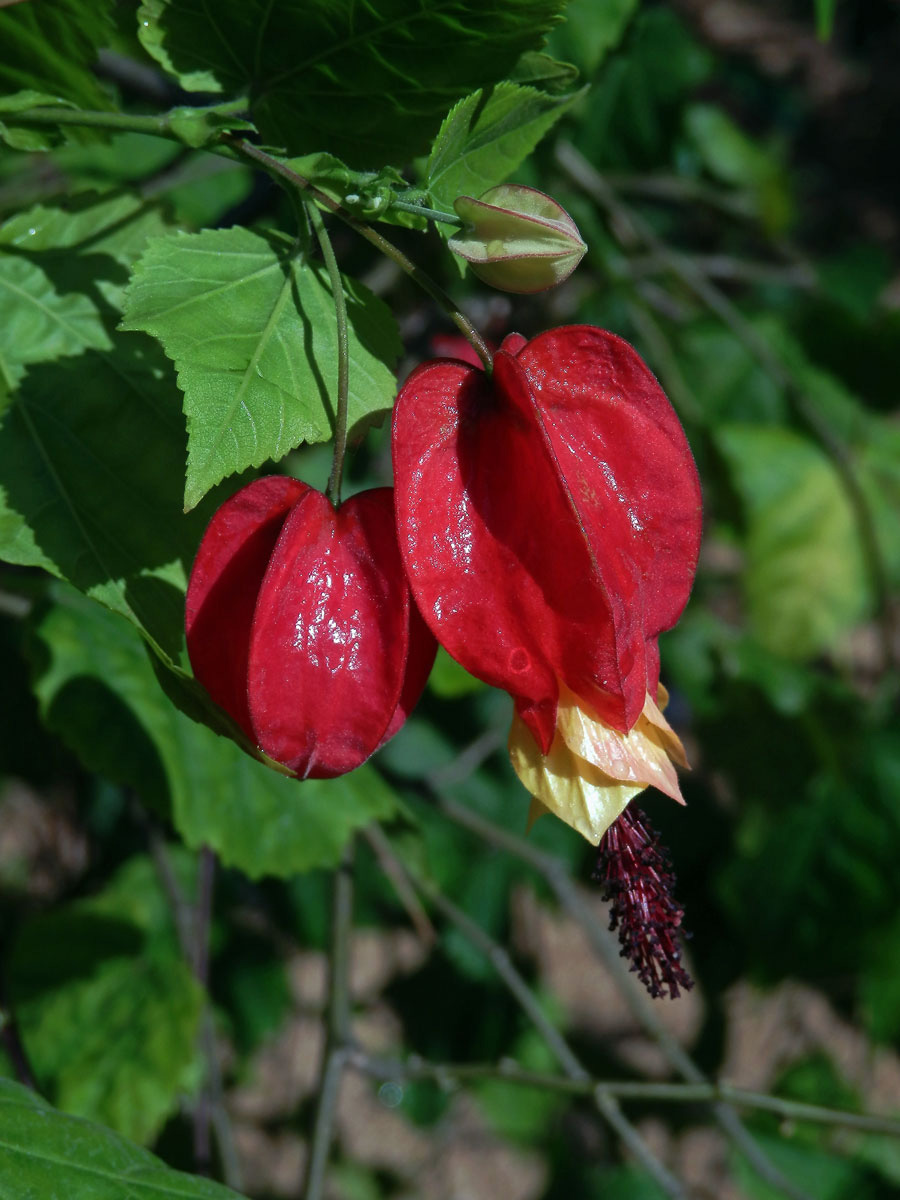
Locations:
{"points": [[210, 1109], [406, 893], [338, 1029], [508, 1071], [199, 959], [528, 1001], [281, 170], [555, 874], [11, 1040], [343, 349]]}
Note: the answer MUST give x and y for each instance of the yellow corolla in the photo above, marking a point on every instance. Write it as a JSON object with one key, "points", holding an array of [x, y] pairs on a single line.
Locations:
{"points": [[592, 771]]}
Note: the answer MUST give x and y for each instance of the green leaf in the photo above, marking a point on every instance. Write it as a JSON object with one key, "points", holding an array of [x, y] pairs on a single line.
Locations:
{"points": [[50, 48], [591, 30], [544, 72], [250, 326], [119, 1047], [198, 127], [805, 580], [815, 1172], [20, 135], [449, 680], [44, 1153], [734, 158], [92, 446], [371, 81], [39, 324], [825, 10], [366, 194], [480, 144], [91, 488], [257, 820]]}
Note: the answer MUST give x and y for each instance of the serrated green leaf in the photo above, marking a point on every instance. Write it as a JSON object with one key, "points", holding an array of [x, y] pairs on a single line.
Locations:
{"points": [[805, 580], [91, 459], [370, 82], [479, 145], [92, 446], [45, 1153], [250, 326], [119, 1047], [198, 127], [259, 821], [736, 159], [38, 323], [50, 48], [544, 72], [591, 30]]}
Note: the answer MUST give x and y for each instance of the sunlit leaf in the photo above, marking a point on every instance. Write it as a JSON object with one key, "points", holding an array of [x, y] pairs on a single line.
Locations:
{"points": [[250, 325], [46, 1153]]}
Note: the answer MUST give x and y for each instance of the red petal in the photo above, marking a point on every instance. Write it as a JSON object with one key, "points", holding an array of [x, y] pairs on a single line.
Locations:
{"points": [[419, 661], [549, 519], [622, 450], [329, 645], [225, 579]]}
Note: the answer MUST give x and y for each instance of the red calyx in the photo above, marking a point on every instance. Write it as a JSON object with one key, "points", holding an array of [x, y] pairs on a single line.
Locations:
{"points": [[549, 519], [300, 624]]}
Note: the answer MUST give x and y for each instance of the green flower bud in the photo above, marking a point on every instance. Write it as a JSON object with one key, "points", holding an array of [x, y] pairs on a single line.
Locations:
{"points": [[517, 239]]}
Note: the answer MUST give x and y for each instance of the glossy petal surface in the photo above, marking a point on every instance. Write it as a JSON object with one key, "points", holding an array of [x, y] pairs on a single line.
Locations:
{"points": [[228, 570], [330, 638], [549, 519]]}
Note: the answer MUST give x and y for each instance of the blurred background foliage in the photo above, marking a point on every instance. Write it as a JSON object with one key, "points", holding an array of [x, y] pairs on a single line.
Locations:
{"points": [[732, 169]]}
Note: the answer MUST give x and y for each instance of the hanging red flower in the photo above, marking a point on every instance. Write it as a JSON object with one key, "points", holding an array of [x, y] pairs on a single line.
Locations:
{"points": [[549, 521], [300, 624]]}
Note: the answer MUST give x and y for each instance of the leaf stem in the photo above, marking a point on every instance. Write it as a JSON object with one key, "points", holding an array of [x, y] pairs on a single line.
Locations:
{"points": [[158, 124], [280, 169], [606, 1104], [606, 948], [338, 1028], [230, 145], [430, 214], [343, 346]]}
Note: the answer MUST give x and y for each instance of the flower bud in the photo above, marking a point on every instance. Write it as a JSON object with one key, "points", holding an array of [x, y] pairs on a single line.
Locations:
{"points": [[517, 239], [300, 624]]}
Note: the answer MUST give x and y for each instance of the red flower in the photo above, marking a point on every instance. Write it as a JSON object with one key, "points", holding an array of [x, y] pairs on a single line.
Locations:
{"points": [[549, 522], [300, 624]]}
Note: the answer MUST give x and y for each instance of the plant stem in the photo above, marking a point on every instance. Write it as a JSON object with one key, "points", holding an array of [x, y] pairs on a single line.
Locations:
{"points": [[189, 924], [199, 959], [343, 347], [430, 214], [281, 170], [338, 1028], [607, 1105], [449, 1074], [158, 124], [11, 1040], [229, 144], [607, 950]]}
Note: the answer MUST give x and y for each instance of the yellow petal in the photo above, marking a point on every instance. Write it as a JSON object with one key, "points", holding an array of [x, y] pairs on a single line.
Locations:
{"points": [[640, 758], [565, 784]]}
